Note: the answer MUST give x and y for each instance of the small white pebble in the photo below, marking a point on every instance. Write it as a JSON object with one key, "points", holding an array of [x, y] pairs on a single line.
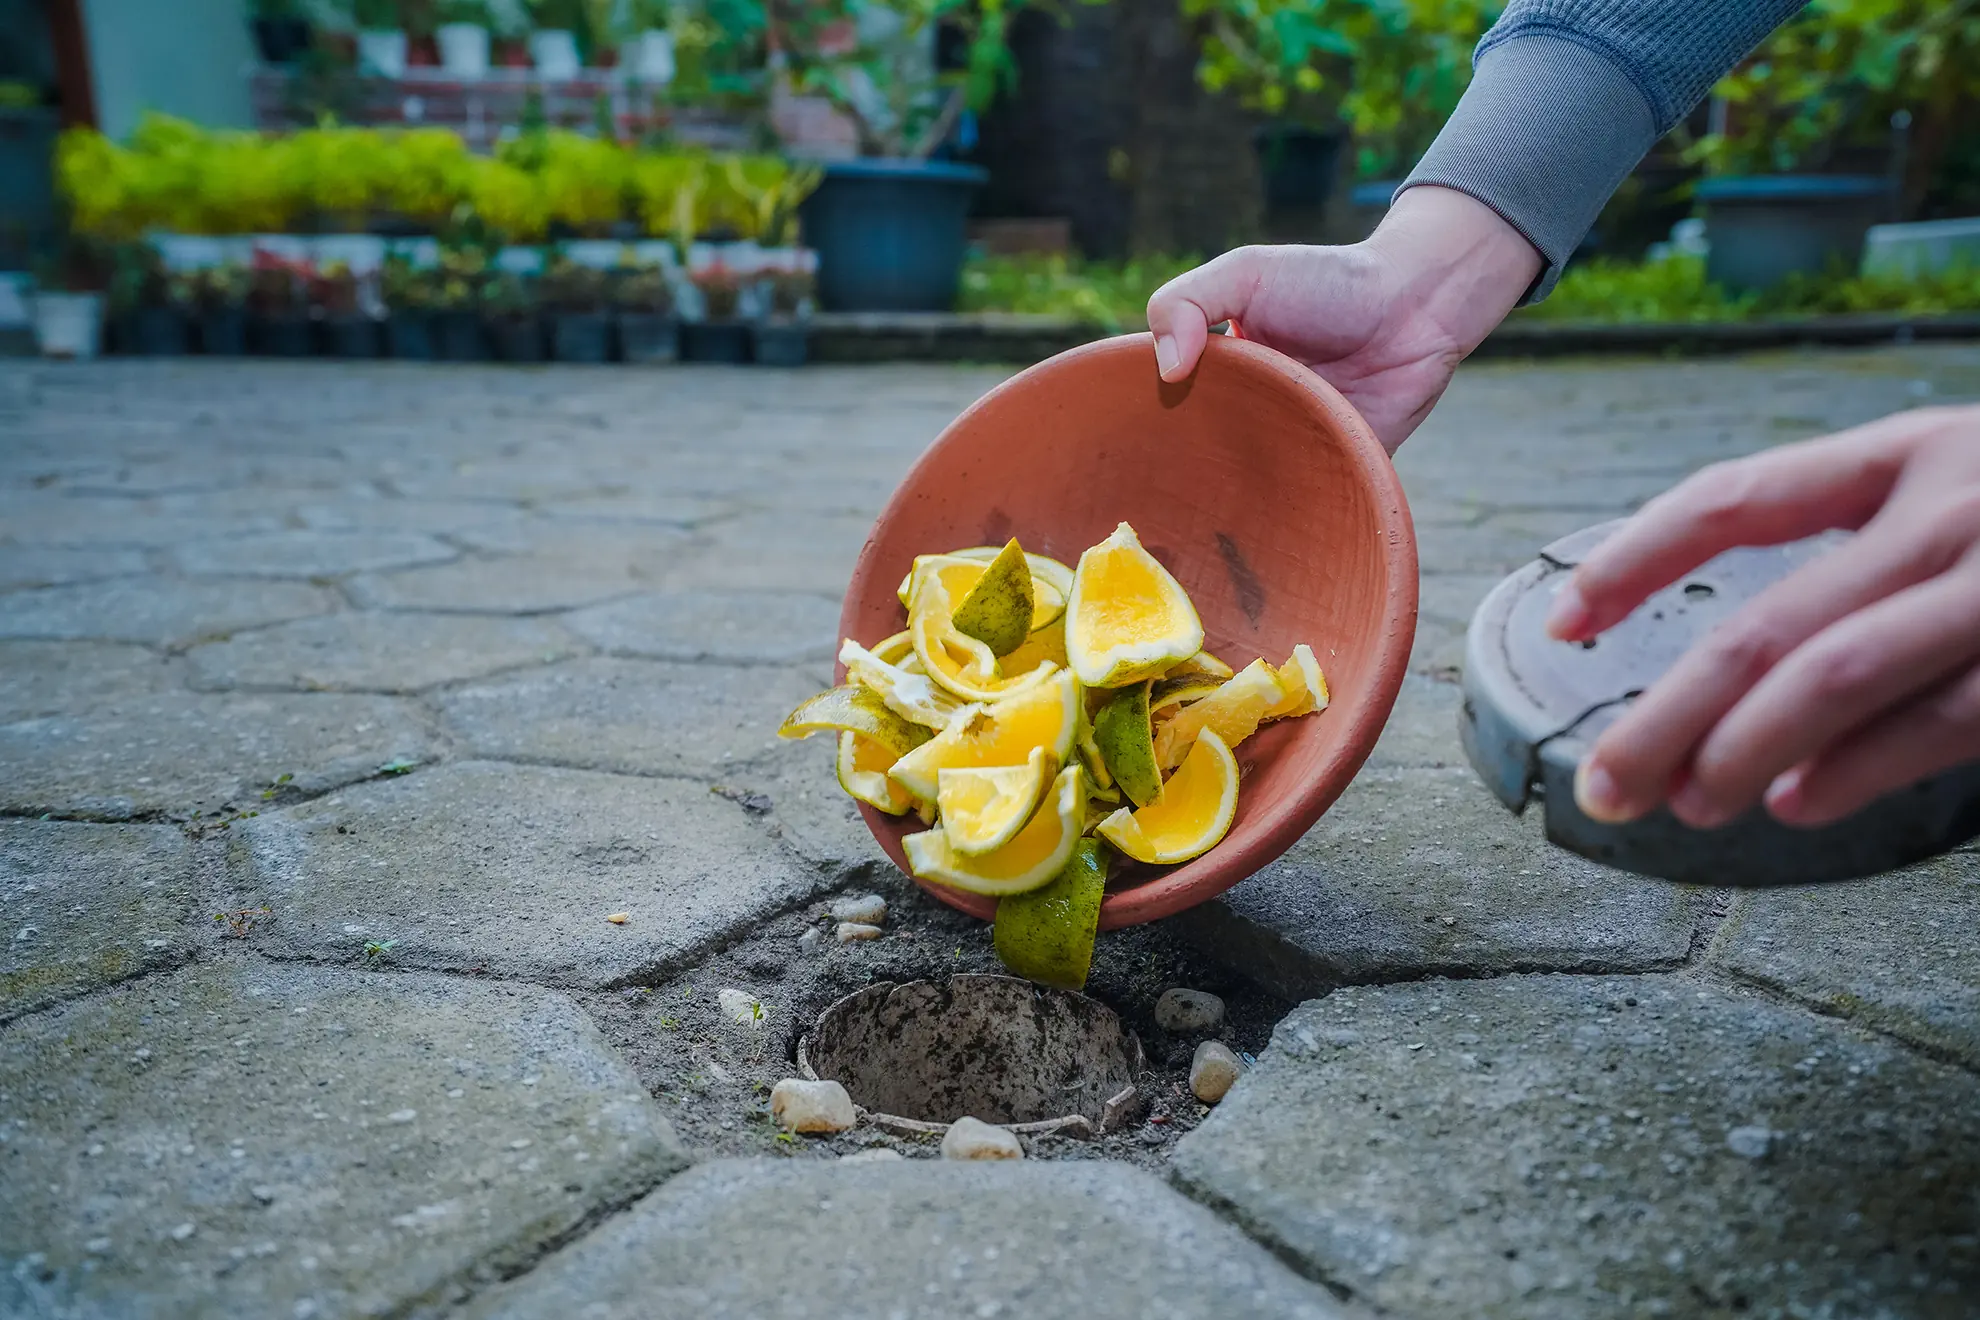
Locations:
{"points": [[1751, 1143], [973, 1139], [848, 931], [402, 1116], [798, 1105], [618, 918], [97, 1246], [1188, 1012], [1213, 1071], [742, 1007], [810, 940], [182, 1232], [865, 909], [872, 1155]]}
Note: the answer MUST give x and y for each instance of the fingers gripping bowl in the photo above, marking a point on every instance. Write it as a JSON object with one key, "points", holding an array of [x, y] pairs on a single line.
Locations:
{"points": [[1258, 487]]}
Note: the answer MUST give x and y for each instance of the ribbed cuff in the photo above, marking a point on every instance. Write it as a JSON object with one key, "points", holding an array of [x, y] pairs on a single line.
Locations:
{"points": [[1546, 131]]}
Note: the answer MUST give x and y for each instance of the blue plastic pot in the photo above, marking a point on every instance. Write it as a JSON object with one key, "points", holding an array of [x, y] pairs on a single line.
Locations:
{"points": [[890, 234], [1764, 228]]}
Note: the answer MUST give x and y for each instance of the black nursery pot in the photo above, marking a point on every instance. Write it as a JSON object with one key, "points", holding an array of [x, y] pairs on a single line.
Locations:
{"points": [[649, 337], [517, 338], [350, 337], [582, 336], [783, 344], [223, 333], [280, 336], [151, 332], [716, 341], [409, 335], [281, 40], [457, 337]]}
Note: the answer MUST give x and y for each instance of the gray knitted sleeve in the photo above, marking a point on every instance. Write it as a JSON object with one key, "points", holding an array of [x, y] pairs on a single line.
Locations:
{"points": [[1566, 97]]}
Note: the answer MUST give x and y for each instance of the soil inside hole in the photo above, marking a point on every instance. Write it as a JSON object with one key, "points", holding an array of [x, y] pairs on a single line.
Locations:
{"points": [[712, 1076]]}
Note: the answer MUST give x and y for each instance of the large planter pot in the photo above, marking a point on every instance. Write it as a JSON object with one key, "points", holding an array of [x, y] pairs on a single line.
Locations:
{"points": [[223, 333], [1764, 228], [782, 344], [350, 337], [281, 40], [382, 53], [716, 341], [651, 57], [582, 336], [463, 49], [69, 325], [517, 338], [409, 335], [155, 332], [554, 52], [457, 337], [280, 336], [1298, 165], [890, 234], [649, 338]]}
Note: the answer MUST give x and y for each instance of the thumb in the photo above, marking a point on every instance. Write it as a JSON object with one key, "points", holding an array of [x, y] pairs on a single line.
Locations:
{"points": [[1183, 310]]}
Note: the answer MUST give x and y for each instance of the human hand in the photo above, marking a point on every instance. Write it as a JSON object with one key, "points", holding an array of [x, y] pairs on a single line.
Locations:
{"points": [[1857, 675], [1385, 321]]}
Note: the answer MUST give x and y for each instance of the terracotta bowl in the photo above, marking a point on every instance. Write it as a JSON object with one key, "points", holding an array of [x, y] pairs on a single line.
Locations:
{"points": [[1257, 485]]}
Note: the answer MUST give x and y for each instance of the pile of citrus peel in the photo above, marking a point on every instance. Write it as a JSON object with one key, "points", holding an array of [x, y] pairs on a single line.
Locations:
{"points": [[1028, 707]]}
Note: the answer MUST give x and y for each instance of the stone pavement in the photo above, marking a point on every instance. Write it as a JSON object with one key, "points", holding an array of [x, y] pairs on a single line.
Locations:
{"points": [[339, 705]]}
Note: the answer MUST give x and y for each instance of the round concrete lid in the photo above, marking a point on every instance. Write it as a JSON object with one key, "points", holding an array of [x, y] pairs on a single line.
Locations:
{"points": [[1533, 706]]}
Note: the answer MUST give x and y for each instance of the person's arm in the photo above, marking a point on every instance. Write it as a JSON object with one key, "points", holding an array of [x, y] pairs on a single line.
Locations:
{"points": [[1567, 96]]}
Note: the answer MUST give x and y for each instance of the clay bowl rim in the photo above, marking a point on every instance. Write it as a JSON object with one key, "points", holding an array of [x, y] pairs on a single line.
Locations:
{"points": [[1287, 819]]}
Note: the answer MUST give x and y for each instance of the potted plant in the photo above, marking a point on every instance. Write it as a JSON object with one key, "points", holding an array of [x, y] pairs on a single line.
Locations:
{"points": [[219, 302], [409, 294], [783, 335], [463, 34], [605, 29], [348, 330], [650, 56], [462, 277], [515, 325], [381, 37], [1780, 196], [281, 33], [553, 40], [713, 330], [68, 299], [890, 227], [576, 299], [278, 307], [643, 314], [146, 317]]}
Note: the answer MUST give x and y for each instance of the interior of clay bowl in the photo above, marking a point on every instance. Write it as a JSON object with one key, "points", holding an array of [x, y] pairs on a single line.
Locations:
{"points": [[1257, 485]]}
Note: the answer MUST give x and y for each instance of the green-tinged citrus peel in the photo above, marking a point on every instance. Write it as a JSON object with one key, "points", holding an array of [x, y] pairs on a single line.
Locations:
{"points": [[863, 766], [913, 697], [1128, 618], [1127, 745], [997, 611], [1197, 807], [1050, 580], [856, 709], [1047, 935], [1036, 854]]}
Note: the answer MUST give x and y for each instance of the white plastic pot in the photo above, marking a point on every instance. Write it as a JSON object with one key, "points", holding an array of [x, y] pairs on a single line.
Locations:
{"points": [[653, 57], [463, 49], [69, 325], [555, 53], [382, 53]]}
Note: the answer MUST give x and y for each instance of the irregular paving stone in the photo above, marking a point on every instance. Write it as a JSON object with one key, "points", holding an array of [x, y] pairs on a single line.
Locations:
{"points": [[1539, 1147], [634, 716], [55, 519], [309, 554], [810, 812], [1422, 872], [1213, 1071], [774, 552], [252, 1139], [1896, 952], [806, 1106], [1188, 1012], [82, 906], [1073, 1240], [516, 584], [48, 678], [764, 626], [157, 610], [1422, 728], [45, 566], [514, 868], [166, 751], [379, 652]]}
